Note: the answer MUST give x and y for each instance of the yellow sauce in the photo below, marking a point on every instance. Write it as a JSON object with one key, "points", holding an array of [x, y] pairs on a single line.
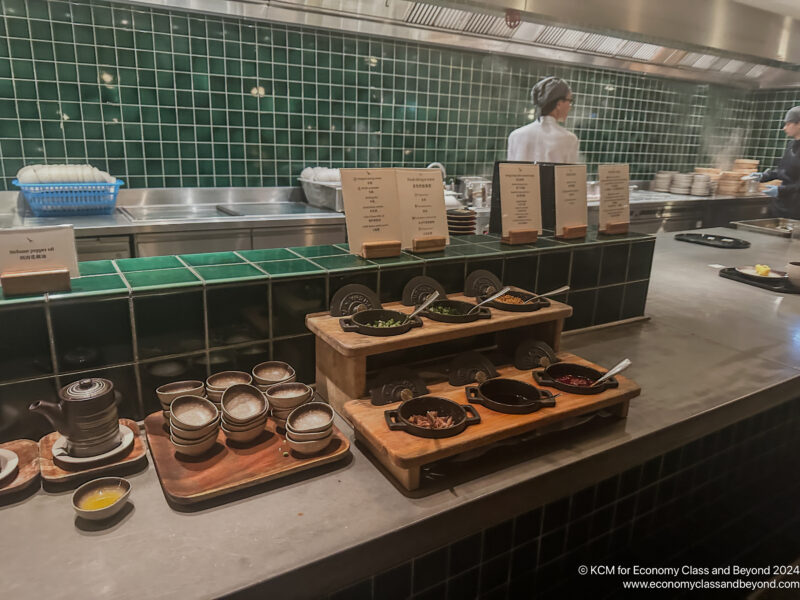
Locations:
{"points": [[101, 498]]}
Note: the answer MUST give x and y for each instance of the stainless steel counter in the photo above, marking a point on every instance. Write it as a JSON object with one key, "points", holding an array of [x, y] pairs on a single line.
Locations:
{"points": [[736, 348]]}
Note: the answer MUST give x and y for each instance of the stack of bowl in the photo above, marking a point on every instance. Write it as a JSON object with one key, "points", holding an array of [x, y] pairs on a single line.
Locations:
{"points": [[168, 392], [219, 382], [193, 424], [269, 373], [309, 428], [244, 413], [285, 397]]}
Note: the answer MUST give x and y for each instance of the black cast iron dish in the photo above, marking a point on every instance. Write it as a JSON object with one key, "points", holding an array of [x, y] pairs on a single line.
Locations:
{"points": [[463, 416], [461, 307], [510, 396], [360, 322], [529, 307], [548, 377]]}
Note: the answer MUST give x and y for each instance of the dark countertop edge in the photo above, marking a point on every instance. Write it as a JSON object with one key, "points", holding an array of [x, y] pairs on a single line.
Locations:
{"points": [[376, 555]]}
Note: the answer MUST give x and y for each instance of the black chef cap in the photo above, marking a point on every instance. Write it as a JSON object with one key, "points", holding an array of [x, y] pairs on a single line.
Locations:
{"points": [[792, 115], [549, 90]]}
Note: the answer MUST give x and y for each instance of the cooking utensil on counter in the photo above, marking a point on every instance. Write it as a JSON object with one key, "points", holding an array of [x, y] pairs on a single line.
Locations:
{"points": [[549, 377], [555, 292], [510, 396], [490, 298], [617, 368], [428, 301], [463, 415], [463, 312], [717, 241], [361, 322], [750, 271]]}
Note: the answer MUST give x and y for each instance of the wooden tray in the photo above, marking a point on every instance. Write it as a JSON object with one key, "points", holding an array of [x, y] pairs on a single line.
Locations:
{"points": [[327, 328], [404, 454], [28, 472], [52, 473], [229, 468]]}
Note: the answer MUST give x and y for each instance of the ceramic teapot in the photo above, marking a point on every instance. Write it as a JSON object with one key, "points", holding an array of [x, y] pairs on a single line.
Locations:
{"points": [[85, 414]]}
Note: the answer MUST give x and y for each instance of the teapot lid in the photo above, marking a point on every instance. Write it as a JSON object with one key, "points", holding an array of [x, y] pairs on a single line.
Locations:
{"points": [[86, 389]]}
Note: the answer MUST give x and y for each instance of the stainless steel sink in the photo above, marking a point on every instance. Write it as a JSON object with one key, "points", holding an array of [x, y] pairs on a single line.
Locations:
{"points": [[779, 227], [172, 212], [266, 209]]}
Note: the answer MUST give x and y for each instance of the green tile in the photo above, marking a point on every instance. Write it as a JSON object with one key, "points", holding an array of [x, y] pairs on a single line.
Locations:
{"points": [[448, 253], [287, 268], [267, 254], [5, 300], [314, 251], [228, 272], [164, 278], [403, 258], [508, 248], [343, 262], [96, 267], [148, 263], [474, 250], [93, 285], [210, 258]]}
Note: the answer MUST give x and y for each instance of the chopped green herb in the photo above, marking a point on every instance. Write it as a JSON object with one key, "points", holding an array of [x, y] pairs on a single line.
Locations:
{"points": [[386, 323], [445, 310]]}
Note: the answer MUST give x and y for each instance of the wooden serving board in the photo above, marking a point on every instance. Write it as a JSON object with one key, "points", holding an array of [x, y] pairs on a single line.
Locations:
{"points": [[327, 328], [52, 473], [404, 454], [229, 467], [28, 471]]}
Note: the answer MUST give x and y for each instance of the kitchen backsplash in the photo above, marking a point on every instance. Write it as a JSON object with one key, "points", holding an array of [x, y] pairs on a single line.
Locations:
{"points": [[169, 98]]}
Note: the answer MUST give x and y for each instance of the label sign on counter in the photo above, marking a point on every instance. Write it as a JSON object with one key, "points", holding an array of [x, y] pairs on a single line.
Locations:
{"points": [[371, 209], [38, 249], [423, 213], [570, 187], [614, 194], [520, 197]]}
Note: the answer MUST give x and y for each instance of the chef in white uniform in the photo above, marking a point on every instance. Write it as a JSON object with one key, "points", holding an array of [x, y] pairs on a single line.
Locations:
{"points": [[545, 140]]}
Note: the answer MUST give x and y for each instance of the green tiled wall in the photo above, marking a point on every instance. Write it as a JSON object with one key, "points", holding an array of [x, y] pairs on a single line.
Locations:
{"points": [[167, 98], [767, 140], [143, 322]]}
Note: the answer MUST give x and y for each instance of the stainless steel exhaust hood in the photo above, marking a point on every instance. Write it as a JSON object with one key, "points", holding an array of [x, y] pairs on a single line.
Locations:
{"points": [[715, 41]]}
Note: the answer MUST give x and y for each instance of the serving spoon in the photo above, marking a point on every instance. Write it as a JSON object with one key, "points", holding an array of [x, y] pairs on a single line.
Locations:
{"points": [[489, 299], [428, 301], [563, 288], [618, 368]]}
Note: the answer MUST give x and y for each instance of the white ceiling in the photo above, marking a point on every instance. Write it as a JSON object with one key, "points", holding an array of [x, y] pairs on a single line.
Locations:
{"points": [[787, 8]]}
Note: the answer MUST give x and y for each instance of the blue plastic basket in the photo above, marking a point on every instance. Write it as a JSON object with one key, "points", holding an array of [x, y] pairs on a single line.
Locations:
{"points": [[68, 199]]}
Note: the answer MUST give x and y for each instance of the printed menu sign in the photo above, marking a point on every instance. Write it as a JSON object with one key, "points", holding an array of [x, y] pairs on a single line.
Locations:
{"points": [[570, 187], [371, 210], [614, 194], [37, 249], [421, 197], [520, 197]]}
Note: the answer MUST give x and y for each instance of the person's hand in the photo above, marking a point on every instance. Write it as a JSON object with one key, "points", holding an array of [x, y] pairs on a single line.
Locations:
{"points": [[771, 190], [755, 176]]}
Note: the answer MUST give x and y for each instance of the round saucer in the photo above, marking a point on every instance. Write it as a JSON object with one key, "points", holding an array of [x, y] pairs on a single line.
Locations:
{"points": [[9, 461], [60, 455]]}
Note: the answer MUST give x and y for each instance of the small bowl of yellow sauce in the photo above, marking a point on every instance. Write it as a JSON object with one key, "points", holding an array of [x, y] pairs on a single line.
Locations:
{"points": [[102, 498]]}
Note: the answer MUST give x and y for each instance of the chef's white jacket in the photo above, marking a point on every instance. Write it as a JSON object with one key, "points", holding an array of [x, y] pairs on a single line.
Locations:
{"points": [[544, 140]]}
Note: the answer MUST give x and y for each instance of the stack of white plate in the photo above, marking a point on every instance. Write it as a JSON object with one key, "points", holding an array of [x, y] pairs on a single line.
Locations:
{"points": [[681, 183], [701, 185], [663, 180]]}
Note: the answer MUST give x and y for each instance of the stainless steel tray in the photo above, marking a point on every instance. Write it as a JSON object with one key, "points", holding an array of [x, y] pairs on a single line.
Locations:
{"points": [[779, 227]]}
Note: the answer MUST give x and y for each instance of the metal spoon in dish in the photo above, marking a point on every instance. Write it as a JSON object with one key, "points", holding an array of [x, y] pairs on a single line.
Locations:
{"points": [[489, 299], [563, 288], [618, 368], [428, 301]]}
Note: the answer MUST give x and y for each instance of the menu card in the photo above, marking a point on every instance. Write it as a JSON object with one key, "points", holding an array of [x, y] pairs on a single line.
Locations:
{"points": [[421, 198], [520, 197], [37, 249], [614, 194], [570, 187], [371, 210]]}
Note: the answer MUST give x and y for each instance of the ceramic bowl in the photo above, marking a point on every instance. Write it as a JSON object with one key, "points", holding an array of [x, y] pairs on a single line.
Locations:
{"points": [[311, 447], [107, 511], [194, 449], [258, 423], [793, 273], [9, 464], [168, 392], [243, 403], [242, 436], [279, 422], [309, 437], [272, 372], [220, 382], [215, 395], [194, 434], [192, 412], [281, 413], [177, 438], [310, 418], [288, 395]]}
